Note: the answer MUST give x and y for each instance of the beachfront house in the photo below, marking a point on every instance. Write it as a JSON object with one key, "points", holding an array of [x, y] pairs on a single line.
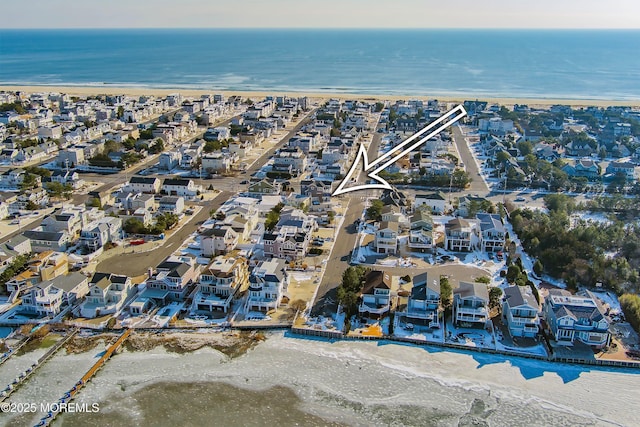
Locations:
{"points": [[576, 318], [172, 279], [107, 293], [376, 295], [520, 311], [49, 297], [471, 305], [267, 282], [424, 310], [220, 282]]}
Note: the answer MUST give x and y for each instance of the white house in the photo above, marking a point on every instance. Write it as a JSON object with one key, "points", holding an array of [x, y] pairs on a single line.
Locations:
{"points": [[436, 201], [471, 304], [107, 293], [219, 240], [180, 187], [267, 282], [97, 233], [48, 298], [386, 240], [171, 204], [220, 282], [140, 184]]}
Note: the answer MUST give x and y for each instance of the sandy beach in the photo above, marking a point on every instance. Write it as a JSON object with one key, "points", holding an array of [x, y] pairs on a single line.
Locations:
{"points": [[137, 91]]}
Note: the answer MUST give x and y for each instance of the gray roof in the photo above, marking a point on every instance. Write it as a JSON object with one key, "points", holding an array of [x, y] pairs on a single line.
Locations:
{"points": [[520, 295], [67, 282], [43, 235], [468, 290], [421, 283]]}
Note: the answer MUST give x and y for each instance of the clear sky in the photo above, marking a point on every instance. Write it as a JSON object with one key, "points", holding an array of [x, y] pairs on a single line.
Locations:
{"points": [[320, 13]]}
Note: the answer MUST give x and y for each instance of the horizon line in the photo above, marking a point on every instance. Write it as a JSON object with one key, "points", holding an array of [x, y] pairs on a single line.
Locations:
{"points": [[338, 28]]}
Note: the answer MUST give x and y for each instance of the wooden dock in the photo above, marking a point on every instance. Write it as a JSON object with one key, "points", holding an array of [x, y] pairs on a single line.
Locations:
{"points": [[69, 395], [24, 376]]}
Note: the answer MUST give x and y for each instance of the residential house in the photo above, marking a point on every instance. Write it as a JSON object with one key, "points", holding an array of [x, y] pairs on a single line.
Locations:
{"points": [[107, 294], [69, 220], [46, 240], [218, 162], [461, 235], [424, 310], [169, 160], [570, 318], [436, 201], [421, 231], [469, 205], [520, 311], [172, 279], [218, 240], [386, 240], [267, 283], [220, 282], [492, 232], [98, 233], [140, 184], [172, 204], [583, 168], [627, 169], [471, 304], [180, 187], [47, 298], [265, 186], [376, 295]]}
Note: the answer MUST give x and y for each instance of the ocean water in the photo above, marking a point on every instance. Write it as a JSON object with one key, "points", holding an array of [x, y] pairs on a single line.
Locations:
{"points": [[291, 381], [575, 64]]}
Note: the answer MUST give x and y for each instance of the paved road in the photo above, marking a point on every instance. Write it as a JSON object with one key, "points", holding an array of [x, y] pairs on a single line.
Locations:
{"points": [[478, 185], [343, 244], [135, 264]]}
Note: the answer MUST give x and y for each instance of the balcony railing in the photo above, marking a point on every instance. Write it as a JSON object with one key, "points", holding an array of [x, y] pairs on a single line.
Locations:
{"points": [[374, 309], [462, 318]]}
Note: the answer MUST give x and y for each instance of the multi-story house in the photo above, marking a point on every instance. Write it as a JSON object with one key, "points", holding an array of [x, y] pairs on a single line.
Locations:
{"points": [[570, 318], [180, 187], [520, 310], [492, 232], [267, 283], [436, 201], [46, 240], [627, 169], [421, 231], [173, 278], [461, 234], [97, 233], [221, 282], [141, 184], [171, 204], [218, 240], [471, 304], [107, 294], [48, 298], [386, 240], [424, 310], [376, 295]]}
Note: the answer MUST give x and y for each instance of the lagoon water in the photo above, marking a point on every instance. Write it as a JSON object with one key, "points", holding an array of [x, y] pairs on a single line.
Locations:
{"points": [[576, 64], [289, 381]]}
